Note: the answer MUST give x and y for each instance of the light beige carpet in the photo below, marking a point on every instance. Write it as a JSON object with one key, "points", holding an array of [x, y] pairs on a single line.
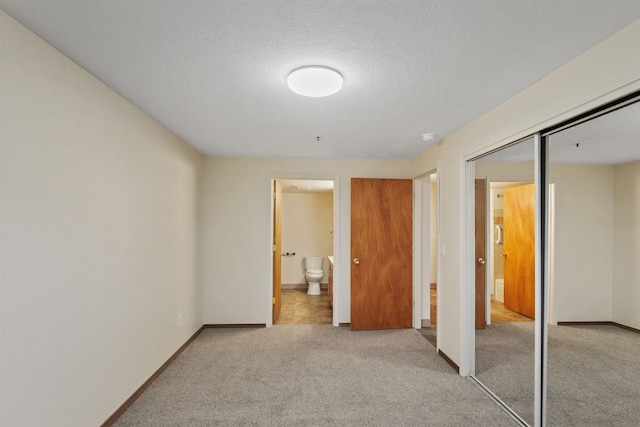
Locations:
{"points": [[312, 375], [593, 372]]}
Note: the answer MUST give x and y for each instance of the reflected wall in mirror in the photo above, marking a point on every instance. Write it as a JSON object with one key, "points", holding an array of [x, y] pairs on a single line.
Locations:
{"points": [[594, 285], [505, 262]]}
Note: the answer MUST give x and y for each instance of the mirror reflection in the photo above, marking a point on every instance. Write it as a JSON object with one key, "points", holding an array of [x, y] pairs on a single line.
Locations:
{"points": [[594, 284], [505, 276]]}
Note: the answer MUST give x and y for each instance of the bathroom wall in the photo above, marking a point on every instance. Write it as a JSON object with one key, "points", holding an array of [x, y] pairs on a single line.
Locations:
{"points": [[307, 230], [100, 238], [626, 268]]}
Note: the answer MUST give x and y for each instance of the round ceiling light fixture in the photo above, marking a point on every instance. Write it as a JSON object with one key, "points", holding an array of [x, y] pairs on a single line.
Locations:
{"points": [[315, 81]]}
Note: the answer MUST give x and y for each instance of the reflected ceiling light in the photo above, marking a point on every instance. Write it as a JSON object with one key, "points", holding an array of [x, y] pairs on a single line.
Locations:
{"points": [[315, 81]]}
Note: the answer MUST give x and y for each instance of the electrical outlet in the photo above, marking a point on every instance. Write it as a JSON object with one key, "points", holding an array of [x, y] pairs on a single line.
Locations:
{"points": [[179, 320]]}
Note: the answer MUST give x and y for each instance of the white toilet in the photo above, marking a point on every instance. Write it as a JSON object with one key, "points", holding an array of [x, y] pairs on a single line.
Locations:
{"points": [[313, 273]]}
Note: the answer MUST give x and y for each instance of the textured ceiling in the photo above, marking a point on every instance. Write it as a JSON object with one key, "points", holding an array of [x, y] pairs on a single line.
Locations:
{"points": [[214, 72], [607, 140]]}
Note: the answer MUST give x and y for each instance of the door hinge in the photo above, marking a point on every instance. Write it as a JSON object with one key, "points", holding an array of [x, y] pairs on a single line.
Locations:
{"points": [[274, 195], [273, 300], [273, 248]]}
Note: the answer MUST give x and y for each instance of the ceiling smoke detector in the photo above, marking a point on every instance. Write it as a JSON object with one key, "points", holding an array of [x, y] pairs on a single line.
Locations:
{"points": [[315, 81], [428, 136]]}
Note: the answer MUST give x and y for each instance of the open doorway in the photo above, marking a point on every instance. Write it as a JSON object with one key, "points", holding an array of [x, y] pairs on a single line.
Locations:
{"points": [[511, 228], [303, 255], [429, 256]]}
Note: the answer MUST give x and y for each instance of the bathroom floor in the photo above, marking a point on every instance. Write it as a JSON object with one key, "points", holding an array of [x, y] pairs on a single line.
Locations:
{"points": [[300, 308], [499, 313]]}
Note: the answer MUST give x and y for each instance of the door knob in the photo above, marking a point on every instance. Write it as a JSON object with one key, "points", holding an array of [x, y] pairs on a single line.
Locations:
{"points": [[481, 261], [356, 261]]}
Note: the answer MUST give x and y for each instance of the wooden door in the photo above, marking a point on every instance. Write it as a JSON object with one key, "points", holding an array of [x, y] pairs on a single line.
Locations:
{"points": [[519, 249], [277, 250], [381, 253], [481, 252]]}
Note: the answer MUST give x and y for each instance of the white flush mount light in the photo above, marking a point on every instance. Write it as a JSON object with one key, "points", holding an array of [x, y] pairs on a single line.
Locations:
{"points": [[315, 81], [428, 136]]}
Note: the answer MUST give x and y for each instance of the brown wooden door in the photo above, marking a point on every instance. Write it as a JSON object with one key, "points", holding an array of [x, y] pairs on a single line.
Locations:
{"points": [[381, 253], [481, 252], [277, 250], [519, 249]]}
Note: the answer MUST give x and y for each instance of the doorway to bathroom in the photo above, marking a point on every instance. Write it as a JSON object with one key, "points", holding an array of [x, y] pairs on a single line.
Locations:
{"points": [[426, 233], [304, 235], [510, 247]]}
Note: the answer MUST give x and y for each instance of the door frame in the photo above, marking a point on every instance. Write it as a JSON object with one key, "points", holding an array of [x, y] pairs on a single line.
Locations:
{"points": [[276, 257], [422, 252], [337, 288], [481, 190]]}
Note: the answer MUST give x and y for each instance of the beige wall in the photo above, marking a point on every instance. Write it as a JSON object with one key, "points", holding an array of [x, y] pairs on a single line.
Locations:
{"points": [[237, 237], [605, 72], [583, 243], [307, 230], [626, 245], [100, 229]]}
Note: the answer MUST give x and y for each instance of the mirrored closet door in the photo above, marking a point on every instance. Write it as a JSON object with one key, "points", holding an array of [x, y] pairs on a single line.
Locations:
{"points": [[505, 275], [594, 276], [571, 357]]}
